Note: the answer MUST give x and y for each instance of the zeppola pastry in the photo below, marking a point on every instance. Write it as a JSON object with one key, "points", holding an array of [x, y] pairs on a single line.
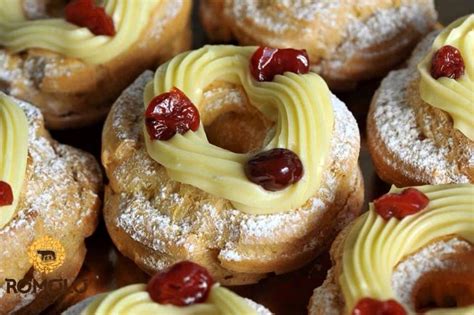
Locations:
{"points": [[237, 158], [347, 41], [184, 289], [421, 122], [49, 202], [73, 61], [411, 253]]}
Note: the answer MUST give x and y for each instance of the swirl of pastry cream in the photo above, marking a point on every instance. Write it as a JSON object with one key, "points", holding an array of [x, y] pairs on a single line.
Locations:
{"points": [[374, 247], [134, 299], [454, 96], [17, 33], [13, 152], [299, 105]]}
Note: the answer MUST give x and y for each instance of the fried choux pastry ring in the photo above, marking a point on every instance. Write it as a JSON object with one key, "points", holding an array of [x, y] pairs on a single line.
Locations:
{"points": [[420, 126], [73, 60], [411, 253], [347, 41], [279, 178], [49, 203], [303, 128]]}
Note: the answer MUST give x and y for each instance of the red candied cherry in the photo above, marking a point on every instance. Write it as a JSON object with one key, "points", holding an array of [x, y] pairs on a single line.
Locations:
{"points": [[85, 13], [275, 169], [183, 284], [369, 306], [6, 194], [267, 62], [408, 202], [447, 62], [170, 113]]}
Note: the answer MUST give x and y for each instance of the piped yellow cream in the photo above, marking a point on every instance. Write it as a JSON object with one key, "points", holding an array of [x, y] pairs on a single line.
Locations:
{"points": [[454, 96], [374, 247], [13, 152], [134, 299], [299, 105], [17, 33]]}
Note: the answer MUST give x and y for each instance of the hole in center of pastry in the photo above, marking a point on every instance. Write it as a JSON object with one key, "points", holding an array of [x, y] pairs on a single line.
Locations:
{"points": [[447, 288], [43, 9], [230, 121]]}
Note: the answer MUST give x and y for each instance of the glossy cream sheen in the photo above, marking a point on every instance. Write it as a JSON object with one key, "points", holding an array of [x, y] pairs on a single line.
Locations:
{"points": [[134, 299], [18, 34], [13, 152], [299, 105], [456, 97], [374, 247]]}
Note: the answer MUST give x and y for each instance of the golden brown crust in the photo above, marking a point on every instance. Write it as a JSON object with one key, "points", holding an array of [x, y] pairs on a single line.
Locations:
{"points": [[67, 272], [347, 41], [71, 93], [411, 142], [448, 256], [156, 221], [60, 199], [449, 253]]}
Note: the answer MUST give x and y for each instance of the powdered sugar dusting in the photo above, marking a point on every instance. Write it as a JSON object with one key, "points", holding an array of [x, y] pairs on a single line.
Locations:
{"points": [[428, 259], [383, 25], [35, 9], [60, 191], [326, 298], [152, 221], [229, 97], [396, 123], [330, 29], [170, 10], [260, 309], [279, 17]]}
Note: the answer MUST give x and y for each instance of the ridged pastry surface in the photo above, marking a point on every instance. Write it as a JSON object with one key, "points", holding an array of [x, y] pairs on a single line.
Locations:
{"points": [[412, 142], [421, 259], [347, 41], [60, 198], [72, 92], [375, 246], [19, 33], [174, 221]]}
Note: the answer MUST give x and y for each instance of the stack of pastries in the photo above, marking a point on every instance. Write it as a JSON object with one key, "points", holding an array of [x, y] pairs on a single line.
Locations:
{"points": [[227, 164]]}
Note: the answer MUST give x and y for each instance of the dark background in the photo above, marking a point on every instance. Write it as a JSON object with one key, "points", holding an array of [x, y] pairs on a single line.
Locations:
{"points": [[450, 10]]}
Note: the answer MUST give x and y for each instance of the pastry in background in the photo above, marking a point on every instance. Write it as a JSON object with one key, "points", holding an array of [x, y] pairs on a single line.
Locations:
{"points": [[185, 288], [220, 159], [420, 125], [49, 203], [73, 60], [347, 41], [411, 253]]}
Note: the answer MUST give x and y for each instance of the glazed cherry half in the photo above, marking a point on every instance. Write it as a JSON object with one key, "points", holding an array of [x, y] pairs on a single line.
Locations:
{"points": [[267, 62], [369, 306], [6, 194], [275, 169], [85, 13], [408, 202], [185, 283], [447, 62], [170, 113]]}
